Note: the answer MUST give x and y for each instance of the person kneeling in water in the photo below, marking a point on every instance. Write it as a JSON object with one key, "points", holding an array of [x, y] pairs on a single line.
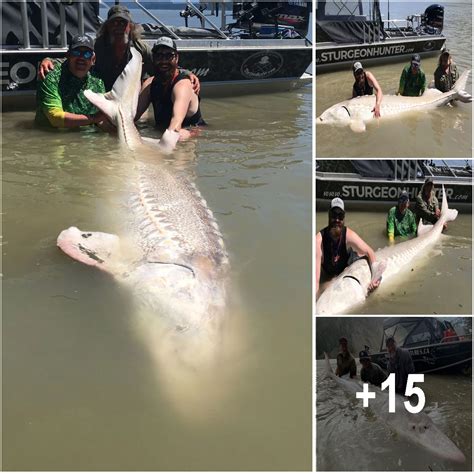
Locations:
{"points": [[175, 104], [337, 246]]}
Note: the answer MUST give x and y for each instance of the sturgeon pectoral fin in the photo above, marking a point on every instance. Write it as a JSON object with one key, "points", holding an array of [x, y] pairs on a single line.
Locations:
{"points": [[96, 249], [379, 268], [357, 126]]}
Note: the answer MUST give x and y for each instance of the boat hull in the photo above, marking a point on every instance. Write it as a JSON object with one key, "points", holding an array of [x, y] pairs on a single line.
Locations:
{"points": [[378, 194], [224, 67], [445, 357], [333, 56]]}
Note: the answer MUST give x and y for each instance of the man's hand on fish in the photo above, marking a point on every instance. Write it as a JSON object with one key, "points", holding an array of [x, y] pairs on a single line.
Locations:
{"points": [[376, 111], [184, 134], [374, 284]]}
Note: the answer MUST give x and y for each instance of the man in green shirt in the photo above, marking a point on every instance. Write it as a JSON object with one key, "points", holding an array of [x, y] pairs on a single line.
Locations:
{"points": [[60, 96], [412, 79], [345, 361], [400, 220], [371, 372]]}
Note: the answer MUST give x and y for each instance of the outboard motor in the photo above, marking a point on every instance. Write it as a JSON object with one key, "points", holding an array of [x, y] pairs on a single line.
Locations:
{"points": [[432, 20]]}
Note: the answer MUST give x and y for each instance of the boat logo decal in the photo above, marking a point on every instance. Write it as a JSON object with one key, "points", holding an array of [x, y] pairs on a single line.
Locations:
{"points": [[261, 65], [428, 46]]}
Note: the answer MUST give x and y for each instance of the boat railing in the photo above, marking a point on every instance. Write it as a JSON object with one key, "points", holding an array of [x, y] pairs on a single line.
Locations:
{"points": [[206, 19], [25, 43], [155, 19], [406, 170]]}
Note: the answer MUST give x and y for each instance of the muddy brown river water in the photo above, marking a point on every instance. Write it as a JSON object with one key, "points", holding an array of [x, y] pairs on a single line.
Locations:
{"points": [[442, 132], [80, 388]]}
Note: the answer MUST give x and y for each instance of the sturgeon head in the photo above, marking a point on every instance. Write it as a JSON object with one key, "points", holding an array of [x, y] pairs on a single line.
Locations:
{"points": [[419, 429], [338, 114]]}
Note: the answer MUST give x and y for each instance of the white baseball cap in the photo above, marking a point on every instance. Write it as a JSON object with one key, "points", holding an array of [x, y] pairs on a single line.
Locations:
{"points": [[337, 202]]}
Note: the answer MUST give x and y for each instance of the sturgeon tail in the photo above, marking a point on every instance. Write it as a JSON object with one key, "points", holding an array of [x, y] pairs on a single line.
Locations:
{"points": [[447, 214], [458, 89], [123, 98], [120, 105]]}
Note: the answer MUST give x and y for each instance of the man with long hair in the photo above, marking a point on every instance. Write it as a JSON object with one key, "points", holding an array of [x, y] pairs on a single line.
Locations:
{"points": [[112, 48]]}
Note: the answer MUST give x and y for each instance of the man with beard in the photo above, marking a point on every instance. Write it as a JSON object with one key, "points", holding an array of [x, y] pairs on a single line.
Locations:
{"points": [[337, 247], [112, 48], [175, 104], [446, 73], [427, 206], [400, 363], [346, 364]]}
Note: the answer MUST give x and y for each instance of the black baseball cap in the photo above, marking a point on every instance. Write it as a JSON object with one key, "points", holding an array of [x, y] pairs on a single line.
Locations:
{"points": [[164, 42], [364, 355], [119, 11], [416, 59], [81, 41], [404, 197]]}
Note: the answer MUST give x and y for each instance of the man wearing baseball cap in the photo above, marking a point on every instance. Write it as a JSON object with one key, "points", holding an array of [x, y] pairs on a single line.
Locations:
{"points": [[427, 205], [400, 220], [175, 104], [412, 79], [345, 360], [371, 372], [60, 96], [337, 247], [112, 47], [364, 84]]}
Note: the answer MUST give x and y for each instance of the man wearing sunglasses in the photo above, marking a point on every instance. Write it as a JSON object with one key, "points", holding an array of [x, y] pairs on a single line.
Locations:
{"points": [[337, 247], [412, 79], [112, 47], [175, 104], [60, 97]]}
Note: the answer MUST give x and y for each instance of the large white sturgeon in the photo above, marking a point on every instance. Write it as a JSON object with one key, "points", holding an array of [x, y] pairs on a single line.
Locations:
{"points": [[417, 428], [357, 112], [172, 256], [350, 288]]}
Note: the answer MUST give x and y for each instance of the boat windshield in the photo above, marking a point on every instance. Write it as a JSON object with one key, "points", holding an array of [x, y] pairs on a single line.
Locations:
{"points": [[399, 332], [348, 10]]}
